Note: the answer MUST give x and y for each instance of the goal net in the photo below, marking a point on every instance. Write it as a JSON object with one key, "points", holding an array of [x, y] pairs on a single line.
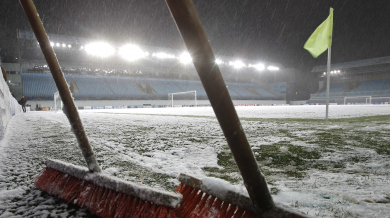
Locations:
{"points": [[380, 100], [57, 101], [357, 100], [182, 99]]}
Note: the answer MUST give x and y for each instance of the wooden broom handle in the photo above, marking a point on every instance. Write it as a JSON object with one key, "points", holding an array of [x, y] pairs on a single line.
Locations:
{"points": [[194, 36], [69, 109]]}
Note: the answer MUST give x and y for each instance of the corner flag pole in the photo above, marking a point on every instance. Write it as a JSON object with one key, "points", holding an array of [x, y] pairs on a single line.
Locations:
{"points": [[328, 85], [318, 42]]}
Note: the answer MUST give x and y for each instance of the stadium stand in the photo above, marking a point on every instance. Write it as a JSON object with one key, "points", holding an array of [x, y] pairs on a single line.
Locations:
{"points": [[352, 79], [259, 91], [38, 86], [278, 87], [92, 87], [122, 88], [374, 88], [41, 87]]}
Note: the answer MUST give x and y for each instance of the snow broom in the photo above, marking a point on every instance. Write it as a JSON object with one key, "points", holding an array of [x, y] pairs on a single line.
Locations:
{"points": [[195, 202], [89, 188]]}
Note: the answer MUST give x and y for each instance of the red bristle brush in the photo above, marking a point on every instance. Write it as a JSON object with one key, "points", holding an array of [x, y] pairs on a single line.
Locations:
{"points": [[221, 203]]}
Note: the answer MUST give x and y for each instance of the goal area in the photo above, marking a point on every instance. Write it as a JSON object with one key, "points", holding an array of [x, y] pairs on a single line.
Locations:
{"points": [[357, 100], [182, 99], [57, 102]]}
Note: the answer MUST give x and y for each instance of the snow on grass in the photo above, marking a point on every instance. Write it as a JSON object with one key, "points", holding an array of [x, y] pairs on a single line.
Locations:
{"points": [[307, 111], [336, 170]]}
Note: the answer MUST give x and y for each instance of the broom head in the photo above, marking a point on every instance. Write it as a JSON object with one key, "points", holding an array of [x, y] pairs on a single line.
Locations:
{"points": [[202, 200], [104, 195]]}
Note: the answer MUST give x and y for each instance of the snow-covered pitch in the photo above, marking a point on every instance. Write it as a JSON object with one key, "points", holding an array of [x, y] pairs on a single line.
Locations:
{"points": [[340, 169]]}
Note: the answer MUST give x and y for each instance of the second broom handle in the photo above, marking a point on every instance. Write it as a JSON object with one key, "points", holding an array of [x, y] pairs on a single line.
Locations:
{"points": [[194, 36]]}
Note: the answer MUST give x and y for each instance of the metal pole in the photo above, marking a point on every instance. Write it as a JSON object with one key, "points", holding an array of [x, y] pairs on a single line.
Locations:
{"points": [[195, 39], [70, 109], [328, 85], [55, 104], [196, 103]]}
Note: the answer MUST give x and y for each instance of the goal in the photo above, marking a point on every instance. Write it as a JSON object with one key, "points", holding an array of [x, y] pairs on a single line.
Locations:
{"points": [[57, 101], [380, 100], [182, 99], [357, 100]]}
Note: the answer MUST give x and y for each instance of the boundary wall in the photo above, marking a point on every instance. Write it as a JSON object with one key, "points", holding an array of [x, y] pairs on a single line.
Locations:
{"points": [[133, 103], [9, 106]]}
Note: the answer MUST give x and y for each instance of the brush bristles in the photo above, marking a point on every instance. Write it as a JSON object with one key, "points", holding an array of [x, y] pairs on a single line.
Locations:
{"points": [[99, 200], [199, 204], [105, 202]]}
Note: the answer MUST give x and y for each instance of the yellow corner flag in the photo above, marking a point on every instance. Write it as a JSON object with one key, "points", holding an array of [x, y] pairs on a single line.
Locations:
{"points": [[321, 39]]}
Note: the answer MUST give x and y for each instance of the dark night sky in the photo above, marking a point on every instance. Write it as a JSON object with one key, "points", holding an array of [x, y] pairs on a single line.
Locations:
{"points": [[271, 30]]}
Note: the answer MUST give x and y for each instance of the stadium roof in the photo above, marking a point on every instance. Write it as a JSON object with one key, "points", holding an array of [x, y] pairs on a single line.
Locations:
{"points": [[352, 64]]}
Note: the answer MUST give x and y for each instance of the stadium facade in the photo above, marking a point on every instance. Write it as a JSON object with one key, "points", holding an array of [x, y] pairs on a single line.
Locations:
{"points": [[356, 82], [113, 81]]}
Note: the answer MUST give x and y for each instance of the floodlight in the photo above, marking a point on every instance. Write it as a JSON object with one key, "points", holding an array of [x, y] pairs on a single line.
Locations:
{"points": [[273, 68], [100, 49], [82, 47], [218, 61], [162, 55], [52, 44], [237, 64], [259, 67], [58, 44], [69, 46], [185, 58], [63, 45], [132, 52]]}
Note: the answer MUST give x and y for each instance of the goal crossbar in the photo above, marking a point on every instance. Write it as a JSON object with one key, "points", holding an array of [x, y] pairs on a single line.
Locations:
{"points": [[171, 96], [365, 97]]}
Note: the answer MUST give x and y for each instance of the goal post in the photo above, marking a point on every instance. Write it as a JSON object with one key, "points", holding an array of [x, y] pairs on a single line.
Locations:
{"points": [[180, 99], [380, 100], [57, 101], [358, 99]]}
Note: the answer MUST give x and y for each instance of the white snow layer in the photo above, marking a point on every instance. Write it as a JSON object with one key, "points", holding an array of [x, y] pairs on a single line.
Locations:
{"points": [[154, 145]]}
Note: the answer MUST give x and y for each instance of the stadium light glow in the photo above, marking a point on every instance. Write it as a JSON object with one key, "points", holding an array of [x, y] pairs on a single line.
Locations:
{"points": [[258, 67], [185, 58], [58, 44], [218, 61], [162, 55], [82, 47], [237, 64], [52, 44], [100, 49], [272, 68], [69, 46], [132, 52], [63, 45]]}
